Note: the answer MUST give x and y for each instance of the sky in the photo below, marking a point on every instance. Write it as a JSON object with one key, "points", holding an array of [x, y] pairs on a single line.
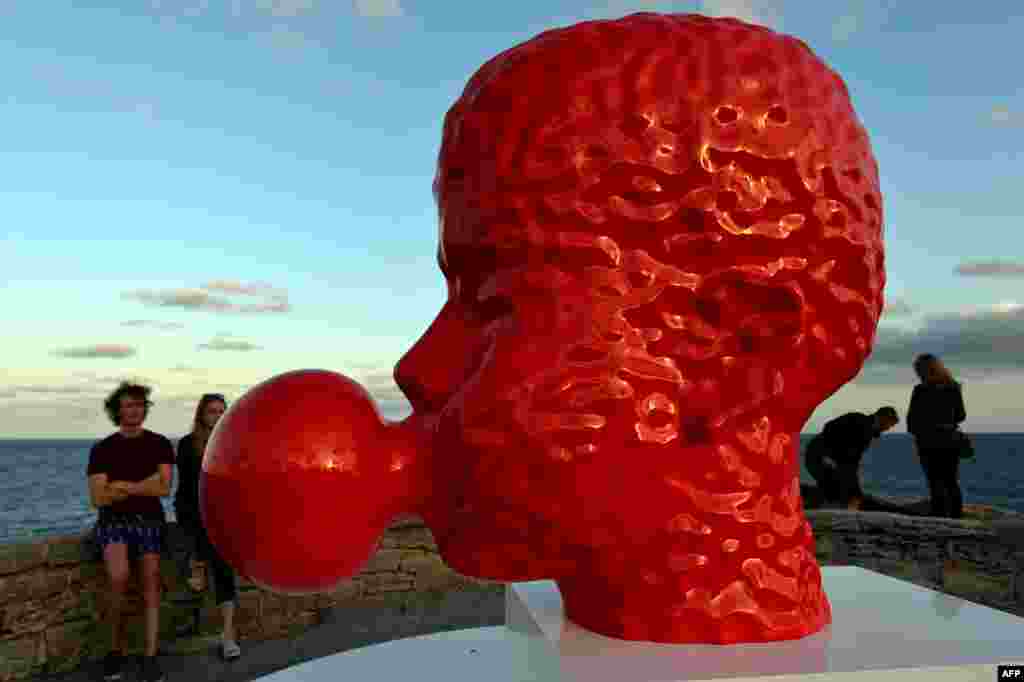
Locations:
{"points": [[202, 194]]}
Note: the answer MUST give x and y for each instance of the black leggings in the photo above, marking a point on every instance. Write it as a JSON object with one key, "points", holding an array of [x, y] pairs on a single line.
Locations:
{"points": [[225, 586], [942, 469]]}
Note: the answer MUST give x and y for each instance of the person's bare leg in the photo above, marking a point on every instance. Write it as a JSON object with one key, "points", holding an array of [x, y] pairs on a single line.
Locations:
{"points": [[151, 599], [115, 558], [227, 610]]}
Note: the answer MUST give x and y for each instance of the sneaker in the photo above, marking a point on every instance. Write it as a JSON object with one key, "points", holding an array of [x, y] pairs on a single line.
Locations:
{"points": [[113, 662], [150, 670], [230, 650]]}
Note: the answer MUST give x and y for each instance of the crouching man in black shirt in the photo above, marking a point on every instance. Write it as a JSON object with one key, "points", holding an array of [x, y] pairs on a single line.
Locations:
{"points": [[833, 456]]}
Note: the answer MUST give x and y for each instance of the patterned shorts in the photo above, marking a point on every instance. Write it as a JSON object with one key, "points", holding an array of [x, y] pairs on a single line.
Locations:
{"points": [[141, 537]]}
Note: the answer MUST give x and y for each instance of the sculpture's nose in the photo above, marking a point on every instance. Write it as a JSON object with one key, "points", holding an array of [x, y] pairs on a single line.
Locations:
{"points": [[435, 366]]}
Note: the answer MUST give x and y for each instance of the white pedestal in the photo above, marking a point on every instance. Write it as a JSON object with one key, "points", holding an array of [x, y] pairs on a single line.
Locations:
{"points": [[493, 654], [882, 628]]}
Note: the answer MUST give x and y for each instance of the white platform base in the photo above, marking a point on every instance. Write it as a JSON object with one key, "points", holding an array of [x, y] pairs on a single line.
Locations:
{"points": [[882, 628]]}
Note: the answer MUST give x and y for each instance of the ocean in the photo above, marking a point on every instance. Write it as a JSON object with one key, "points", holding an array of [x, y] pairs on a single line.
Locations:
{"points": [[43, 489]]}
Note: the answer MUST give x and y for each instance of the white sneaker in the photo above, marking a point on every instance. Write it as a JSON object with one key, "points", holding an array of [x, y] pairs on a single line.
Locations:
{"points": [[230, 650]]}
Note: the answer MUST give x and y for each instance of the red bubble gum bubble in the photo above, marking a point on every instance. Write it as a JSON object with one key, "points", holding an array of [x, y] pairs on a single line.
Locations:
{"points": [[301, 478]]}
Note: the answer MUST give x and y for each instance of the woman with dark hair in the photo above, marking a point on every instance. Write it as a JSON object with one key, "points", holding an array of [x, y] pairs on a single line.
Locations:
{"points": [[936, 411], [191, 449]]}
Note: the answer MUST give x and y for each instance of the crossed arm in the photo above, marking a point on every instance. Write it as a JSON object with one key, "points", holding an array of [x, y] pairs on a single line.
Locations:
{"points": [[103, 492]]}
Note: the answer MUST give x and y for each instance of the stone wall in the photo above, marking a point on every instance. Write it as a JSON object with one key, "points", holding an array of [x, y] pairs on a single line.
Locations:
{"points": [[978, 560], [51, 596], [52, 606]]}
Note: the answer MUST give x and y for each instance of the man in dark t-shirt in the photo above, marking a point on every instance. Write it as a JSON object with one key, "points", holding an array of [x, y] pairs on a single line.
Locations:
{"points": [[129, 471], [833, 456]]}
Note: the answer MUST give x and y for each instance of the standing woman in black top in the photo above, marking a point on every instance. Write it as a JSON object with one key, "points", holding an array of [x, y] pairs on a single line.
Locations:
{"points": [[191, 449], [936, 411]]}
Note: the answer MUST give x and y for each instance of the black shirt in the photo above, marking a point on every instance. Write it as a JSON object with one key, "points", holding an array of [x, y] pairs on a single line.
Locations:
{"points": [[849, 436], [132, 459], [935, 407], [186, 499]]}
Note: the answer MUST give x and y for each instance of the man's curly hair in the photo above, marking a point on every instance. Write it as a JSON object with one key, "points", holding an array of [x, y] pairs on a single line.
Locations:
{"points": [[112, 405]]}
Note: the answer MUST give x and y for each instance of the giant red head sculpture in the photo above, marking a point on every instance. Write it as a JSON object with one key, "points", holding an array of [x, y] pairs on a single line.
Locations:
{"points": [[662, 237]]}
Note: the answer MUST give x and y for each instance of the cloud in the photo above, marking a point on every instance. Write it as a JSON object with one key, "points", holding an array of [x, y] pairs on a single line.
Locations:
{"points": [[897, 307], [378, 8], [289, 41], [1002, 115], [54, 390], [233, 286], [861, 17], [992, 268], [85, 92], [154, 324], [287, 8], [183, 369], [844, 27], [381, 385], [102, 350], [750, 11], [223, 344], [275, 300], [981, 342]]}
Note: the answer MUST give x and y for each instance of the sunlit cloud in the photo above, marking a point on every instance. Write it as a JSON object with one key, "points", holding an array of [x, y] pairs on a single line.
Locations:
{"points": [[378, 8], [275, 300], [184, 369], [991, 268], [226, 344], [153, 324], [102, 350], [54, 390], [260, 289]]}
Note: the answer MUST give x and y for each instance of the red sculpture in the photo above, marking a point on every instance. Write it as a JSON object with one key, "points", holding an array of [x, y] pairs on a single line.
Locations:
{"points": [[662, 237]]}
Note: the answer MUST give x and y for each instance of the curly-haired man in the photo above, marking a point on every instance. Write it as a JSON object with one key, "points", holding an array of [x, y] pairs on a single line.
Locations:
{"points": [[128, 472]]}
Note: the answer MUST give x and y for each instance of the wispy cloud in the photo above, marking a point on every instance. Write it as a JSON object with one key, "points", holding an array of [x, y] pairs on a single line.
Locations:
{"points": [[153, 324], [288, 8], [184, 369], [102, 350], [229, 344], [90, 92], [378, 8], [763, 13], [259, 289], [381, 385], [992, 268], [1002, 115], [275, 300], [54, 390], [897, 307], [978, 342]]}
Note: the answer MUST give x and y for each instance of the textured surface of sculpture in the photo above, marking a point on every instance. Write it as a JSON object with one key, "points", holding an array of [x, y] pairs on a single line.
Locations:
{"points": [[662, 237]]}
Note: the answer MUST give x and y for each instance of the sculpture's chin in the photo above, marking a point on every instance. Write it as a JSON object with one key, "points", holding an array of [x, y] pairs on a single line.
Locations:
{"points": [[478, 549]]}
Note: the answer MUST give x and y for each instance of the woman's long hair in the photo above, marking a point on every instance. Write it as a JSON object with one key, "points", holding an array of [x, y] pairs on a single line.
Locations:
{"points": [[924, 362], [201, 434]]}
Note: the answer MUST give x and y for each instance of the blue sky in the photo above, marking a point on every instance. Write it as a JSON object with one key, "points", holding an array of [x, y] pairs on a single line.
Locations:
{"points": [[204, 194]]}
